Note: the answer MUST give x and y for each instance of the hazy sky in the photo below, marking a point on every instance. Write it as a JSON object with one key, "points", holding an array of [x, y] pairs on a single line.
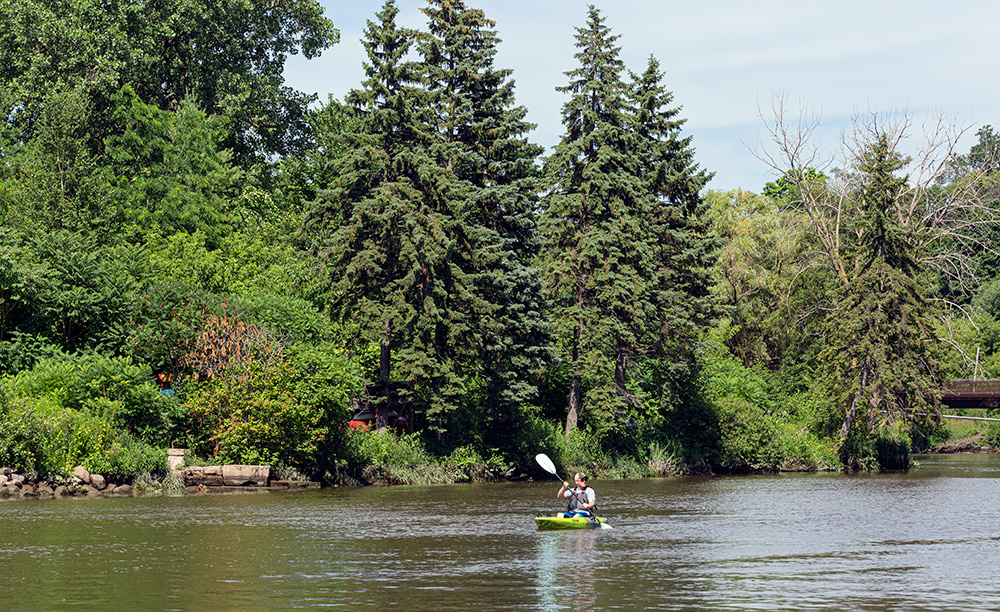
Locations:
{"points": [[724, 59]]}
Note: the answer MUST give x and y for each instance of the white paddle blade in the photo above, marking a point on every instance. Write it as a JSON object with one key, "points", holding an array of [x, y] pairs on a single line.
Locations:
{"points": [[546, 463]]}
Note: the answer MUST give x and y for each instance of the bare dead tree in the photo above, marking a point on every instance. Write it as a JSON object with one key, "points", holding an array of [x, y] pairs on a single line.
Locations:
{"points": [[948, 224]]}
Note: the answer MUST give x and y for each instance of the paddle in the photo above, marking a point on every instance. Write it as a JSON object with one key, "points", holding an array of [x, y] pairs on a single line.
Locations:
{"points": [[547, 465]]}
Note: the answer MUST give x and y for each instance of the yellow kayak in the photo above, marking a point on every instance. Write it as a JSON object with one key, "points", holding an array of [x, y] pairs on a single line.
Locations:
{"points": [[577, 522]]}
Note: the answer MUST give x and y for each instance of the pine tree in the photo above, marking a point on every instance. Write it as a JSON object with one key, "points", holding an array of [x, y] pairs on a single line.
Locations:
{"points": [[597, 252], [482, 140], [387, 233], [626, 254]]}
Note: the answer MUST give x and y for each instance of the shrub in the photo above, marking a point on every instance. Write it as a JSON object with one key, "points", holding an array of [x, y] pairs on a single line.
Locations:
{"points": [[385, 458], [110, 388], [37, 435], [750, 439], [256, 419], [475, 468]]}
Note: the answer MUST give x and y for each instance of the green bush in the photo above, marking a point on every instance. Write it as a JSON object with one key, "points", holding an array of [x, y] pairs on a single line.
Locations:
{"points": [[804, 451], [750, 439], [381, 457], [290, 317], [110, 388], [255, 418], [475, 468], [37, 435], [892, 447]]}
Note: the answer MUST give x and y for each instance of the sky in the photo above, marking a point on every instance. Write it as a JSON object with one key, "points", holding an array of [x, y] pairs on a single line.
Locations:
{"points": [[726, 60]]}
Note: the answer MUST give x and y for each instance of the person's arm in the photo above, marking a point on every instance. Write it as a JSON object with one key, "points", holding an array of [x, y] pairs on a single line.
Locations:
{"points": [[562, 492], [591, 500]]}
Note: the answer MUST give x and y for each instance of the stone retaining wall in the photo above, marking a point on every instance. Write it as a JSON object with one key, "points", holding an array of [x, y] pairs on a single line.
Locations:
{"points": [[227, 475]]}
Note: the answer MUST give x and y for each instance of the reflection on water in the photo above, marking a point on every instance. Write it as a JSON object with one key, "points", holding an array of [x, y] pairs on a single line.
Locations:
{"points": [[566, 570], [924, 540]]}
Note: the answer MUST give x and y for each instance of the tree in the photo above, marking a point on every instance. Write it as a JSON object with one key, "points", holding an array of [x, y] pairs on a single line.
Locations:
{"points": [[680, 246], [882, 337], [755, 266], [388, 236], [166, 169], [52, 181], [599, 255], [481, 136], [878, 235], [227, 57]]}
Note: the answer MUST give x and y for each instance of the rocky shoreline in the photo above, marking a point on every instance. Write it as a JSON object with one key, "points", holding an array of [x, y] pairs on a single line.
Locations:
{"points": [[192, 480], [82, 483], [971, 445]]}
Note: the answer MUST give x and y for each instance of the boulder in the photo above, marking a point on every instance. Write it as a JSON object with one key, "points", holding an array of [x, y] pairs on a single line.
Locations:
{"points": [[16, 479], [245, 475], [123, 490], [82, 473], [3, 479], [90, 491], [98, 482]]}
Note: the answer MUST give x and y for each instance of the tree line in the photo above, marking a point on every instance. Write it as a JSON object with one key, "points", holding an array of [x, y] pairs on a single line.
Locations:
{"points": [[196, 255]]}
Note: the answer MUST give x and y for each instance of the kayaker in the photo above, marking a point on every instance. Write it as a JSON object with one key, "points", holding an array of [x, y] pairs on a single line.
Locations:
{"points": [[582, 499]]}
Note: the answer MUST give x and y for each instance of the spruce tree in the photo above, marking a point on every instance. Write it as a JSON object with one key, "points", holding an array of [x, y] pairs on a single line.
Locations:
{"points": [[881, 357], [597, 252], [388, 236], [626, 255], [481, 138], [681, 247]]}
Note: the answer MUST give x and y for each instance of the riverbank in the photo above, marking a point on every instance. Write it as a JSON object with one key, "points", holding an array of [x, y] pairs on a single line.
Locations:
{"points": [[194, 480], [971, 444]]}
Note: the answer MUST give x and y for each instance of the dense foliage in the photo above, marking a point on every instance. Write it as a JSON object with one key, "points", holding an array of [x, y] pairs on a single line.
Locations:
{"points": [[191, 255]]}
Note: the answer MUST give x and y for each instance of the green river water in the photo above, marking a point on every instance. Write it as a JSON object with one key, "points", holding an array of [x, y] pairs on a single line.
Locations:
{"points": [[925, 540]]}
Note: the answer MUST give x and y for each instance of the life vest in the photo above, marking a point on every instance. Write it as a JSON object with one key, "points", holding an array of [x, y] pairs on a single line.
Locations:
{"points": [[578, 498]]}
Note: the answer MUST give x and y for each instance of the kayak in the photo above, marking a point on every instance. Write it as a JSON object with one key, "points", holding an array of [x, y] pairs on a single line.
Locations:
{"points": [[577, 522]]}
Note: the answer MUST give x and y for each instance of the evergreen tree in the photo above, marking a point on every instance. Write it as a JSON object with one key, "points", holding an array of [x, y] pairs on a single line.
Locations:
{"points": [[481, 139], [880, 357], [680, 246], [387, 234], [597, 255], [627, 256]]}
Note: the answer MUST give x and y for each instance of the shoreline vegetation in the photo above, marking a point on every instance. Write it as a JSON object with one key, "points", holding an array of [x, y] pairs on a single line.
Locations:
{"points": [[207, 480], [193, 255]]}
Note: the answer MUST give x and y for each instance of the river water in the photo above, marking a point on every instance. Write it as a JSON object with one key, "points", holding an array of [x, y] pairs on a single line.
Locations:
{"points": [[925, 540]]}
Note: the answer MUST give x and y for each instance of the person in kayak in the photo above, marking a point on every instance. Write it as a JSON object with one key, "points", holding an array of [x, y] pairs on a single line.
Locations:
{"points": [[582, 499]]}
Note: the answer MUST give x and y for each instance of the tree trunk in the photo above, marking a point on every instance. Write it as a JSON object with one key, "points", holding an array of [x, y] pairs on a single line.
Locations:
{"points": [[621, 358], [384, 364], [573, 416], [852, 410]]}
